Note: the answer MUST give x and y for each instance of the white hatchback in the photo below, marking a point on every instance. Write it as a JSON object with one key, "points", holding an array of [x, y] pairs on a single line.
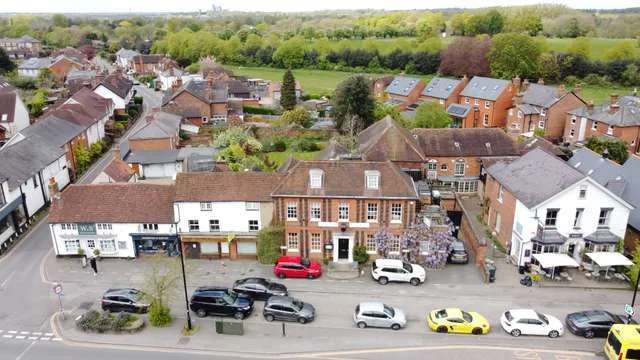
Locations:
{"points": [[385, 270], [529, 322]]}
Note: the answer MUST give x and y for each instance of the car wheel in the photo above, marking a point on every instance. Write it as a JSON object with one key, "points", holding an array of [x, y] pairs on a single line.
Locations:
{"points": [[396, 326], [554, 334], [362, 324], [476, 331], [442, 329], [269, 317], [302, 320], [383, 280], [238, 315], [282, 276], [415, 281], [515, 332], [201, 313], [589, 334]]}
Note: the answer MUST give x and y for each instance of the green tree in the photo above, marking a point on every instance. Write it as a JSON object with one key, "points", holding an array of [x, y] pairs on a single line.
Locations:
{"points": [[524, 21], [297, 116], [631, 75], [580, 46], [624, 50], [290, 54], [616, 148], [430, 115], [288, 98], [354, 105], [60, 20], [37, 102], [360, 254], [160, 286], [269, 241], [6, 65], [514, 54], [635, 268], [83, 159]]}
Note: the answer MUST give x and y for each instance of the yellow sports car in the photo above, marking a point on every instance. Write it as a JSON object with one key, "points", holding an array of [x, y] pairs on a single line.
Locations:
{"points": [[457, 321]]}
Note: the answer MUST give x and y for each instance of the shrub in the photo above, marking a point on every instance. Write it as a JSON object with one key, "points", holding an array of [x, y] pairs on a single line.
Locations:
{"points": [[122, 320], [595, 79], [571, 80], [159, 315], [95, 150], [360, 254], [277, 144], [304, 144], [87, 320], [104, 323], [184, 135], [138, 100], [258, 110], [121, 117], [120, 126], [269, 240]]}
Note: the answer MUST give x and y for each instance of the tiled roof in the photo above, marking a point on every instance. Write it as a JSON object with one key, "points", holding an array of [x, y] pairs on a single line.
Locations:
{"points": [[201, 89], [465, 142], [94, 104], [119, 171], [226, 186], [440, 88], [347, 179], [24, 159], [386, 140], [159, 125], [118, 84], [402, 85], [485, 88], [114, 203], [458, 110], [333, 151], [8, 97], [540, 95], [535, 177], [628, 113], [147, 59]]}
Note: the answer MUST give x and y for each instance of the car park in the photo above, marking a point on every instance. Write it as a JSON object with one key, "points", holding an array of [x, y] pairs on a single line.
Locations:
{"points": [[124, 300], [378, 314], [593, 323], [209, 300], [259, 288], [297, 267], [286, 308], [454, 320], [459, 253], [530, 322], [387, 270]]}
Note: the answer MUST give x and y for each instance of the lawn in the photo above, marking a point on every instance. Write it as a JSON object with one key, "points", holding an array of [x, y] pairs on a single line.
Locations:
{"points": [[600, 94], [312, 81], [279, 157], [599, 46]]}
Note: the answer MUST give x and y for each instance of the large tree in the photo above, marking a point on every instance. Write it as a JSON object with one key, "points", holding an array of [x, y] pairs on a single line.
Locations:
{"points": [[514, 54], [6, 65], [288, 91], [431, 115], [354, 105], [616, 148], [466, 56]]}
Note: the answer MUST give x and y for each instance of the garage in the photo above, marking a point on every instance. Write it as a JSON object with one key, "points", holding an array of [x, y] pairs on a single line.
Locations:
{"points": [[159, 170]]}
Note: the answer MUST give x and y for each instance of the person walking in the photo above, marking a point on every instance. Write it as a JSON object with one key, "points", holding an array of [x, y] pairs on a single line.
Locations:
{"points": [[94, 265]]}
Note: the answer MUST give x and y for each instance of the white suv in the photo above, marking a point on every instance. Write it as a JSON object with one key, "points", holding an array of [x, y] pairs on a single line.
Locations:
{"points": [[385, 270]]}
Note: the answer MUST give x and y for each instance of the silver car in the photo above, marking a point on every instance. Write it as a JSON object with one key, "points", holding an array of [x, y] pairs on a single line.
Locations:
{"points": [[377, 314]]}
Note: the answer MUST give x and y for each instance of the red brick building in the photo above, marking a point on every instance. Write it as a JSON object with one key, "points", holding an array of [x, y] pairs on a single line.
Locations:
{"points": [[483, 103], [444, 91]]}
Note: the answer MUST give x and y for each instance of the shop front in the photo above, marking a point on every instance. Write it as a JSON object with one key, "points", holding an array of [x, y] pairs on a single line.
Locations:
{"points": [[151, 244], [223, 246]]}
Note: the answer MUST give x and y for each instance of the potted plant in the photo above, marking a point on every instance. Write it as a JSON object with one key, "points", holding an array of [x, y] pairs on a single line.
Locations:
{"points": [[96, 253], [83, 258]]}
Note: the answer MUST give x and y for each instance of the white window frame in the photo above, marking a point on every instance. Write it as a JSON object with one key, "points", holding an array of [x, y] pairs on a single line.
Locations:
{"points": [[498, 222], [394, 245], [543, 112], [252, 206], [370, 244], [343, 212], [254, 225], [476, 102], [577, 220], [293, 242], [500, 193], [487, 104], [574, 119], [455, 170], [485, 120], [372, 180], [72, 249], [372, 212], [315, 240], [206, 206], [194, 225], [466, 100], [214, 225], [541, 124], [396, 212], [105, 248], [594, 125], [607, 217], [582, 192], [292, 211], [315, 211], [315, 178], [520, 114], [150, 227], [572, 132]]}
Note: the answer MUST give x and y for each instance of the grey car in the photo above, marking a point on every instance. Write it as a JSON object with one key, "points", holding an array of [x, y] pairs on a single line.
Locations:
{"points": [[287, 308], [377, 314], [459, 253]]}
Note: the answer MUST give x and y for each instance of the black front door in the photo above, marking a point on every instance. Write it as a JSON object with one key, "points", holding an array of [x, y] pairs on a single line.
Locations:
{"points": [[343, 248]]}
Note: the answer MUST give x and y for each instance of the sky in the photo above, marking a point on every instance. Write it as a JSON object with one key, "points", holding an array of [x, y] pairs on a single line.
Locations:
{"points": [[89, 6]]}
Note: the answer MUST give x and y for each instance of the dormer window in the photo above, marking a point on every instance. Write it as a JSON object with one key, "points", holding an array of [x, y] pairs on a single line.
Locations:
{"points": [[315, 178], [372, 179]]}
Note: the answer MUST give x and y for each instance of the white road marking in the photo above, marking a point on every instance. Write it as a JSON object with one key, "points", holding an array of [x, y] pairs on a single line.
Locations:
{"points": [[48, 334], [56, 339], [20, 337], [45, 338], [33, 338], [24, 332], [7, 336], [37, 333], [12, 332]]}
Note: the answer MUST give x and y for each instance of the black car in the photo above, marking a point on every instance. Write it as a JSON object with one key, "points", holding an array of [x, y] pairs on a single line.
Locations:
{"points": [[288, 309], [220, 301], [127, 300], [259, 288], [459, 254], [593, 323]]}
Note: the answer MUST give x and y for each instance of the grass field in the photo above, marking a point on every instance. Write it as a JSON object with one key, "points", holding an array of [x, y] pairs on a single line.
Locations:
{"points": [[279, 157], [599, 46]]}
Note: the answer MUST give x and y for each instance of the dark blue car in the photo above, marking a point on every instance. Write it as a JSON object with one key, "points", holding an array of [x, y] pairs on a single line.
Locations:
{"points": [[220, 302]]}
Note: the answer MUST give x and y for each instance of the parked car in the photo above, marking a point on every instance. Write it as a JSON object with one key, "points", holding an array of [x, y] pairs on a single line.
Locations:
{"points": [[459, 254], [297, 267], [259, 288], [455, 320], [127, 300], [220, 301], [385, 270], [287, 308], [593, 323], [377, 314], [530, 322]]}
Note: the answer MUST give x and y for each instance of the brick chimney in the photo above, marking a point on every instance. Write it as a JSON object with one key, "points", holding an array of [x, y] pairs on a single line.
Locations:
{"points": [[578, 89], [177, 83], [561, 90], [517, 100], [613, 105], [590, 106], [116, 152], [53, 189], [525, 85], [516, 83], [541, 81], [210, 79]]}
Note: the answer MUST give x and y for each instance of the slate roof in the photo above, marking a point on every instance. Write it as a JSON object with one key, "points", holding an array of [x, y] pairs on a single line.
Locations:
{"points": [[114, 203], [549, 237], [536, 142], [386, 140], [53, 130], [347, 179], [465, 142], [94, 104], [535, 177], [160, 125], [628, 113], [35, 63], [402, 85], [602, 236], [218, 93], [8, 97], [24, 159], [622, 180], [540, 95], [226, 186], [485, 88], [333, 151], [458, 110], [148, 157], [440, 88], [118, 84], [126, 53], [119, 171], [78, 74], [237, 87]]}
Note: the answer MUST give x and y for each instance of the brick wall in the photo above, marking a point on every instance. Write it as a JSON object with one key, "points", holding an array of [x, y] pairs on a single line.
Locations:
{"points": [[505, 208], [557, 115], [497, 111]]}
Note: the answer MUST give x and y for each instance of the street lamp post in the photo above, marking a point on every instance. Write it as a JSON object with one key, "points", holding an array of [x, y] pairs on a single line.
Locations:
{"points": [[184, 283], [635, 291]]}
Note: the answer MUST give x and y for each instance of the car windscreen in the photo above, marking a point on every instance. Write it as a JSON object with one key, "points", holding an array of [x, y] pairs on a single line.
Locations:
{"points": [[389, 311], [407, 267], [543, 318], [230, 297], [508, 316], [297, 304], [467, 317]]}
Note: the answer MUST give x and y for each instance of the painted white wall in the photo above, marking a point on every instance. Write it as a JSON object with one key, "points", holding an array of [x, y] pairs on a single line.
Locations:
{"points": [[121, 233], [20, 119], [28, 72], [33, 195], [232, 215], [165, 170], [9, 196], [119, 103], [58, 170]]}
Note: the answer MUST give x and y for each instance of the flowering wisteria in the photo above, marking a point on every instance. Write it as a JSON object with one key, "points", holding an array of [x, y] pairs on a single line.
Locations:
{"points": [[384, 241]]}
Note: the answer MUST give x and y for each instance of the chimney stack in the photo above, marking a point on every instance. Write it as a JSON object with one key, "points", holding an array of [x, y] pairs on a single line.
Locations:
{"points": [[590, 106], [613, 105], [578, 89], [561, 90], [517, 83], [116, 152], [525, 85], [517, 100], [54, 192], [541, 81], [177, 83]]}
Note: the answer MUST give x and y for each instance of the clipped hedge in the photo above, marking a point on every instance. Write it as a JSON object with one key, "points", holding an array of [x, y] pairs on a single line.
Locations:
{"points": [[258, 110]]}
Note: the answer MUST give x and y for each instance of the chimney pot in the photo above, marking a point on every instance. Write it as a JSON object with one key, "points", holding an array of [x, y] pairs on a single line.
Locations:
{"points": [[517, 82], [525, 85], [541, 81], [578, 89], [614, 99], [116, 153]]}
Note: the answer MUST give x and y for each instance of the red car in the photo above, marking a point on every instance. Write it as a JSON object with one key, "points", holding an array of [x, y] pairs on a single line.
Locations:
{"points": [[296, 267]]}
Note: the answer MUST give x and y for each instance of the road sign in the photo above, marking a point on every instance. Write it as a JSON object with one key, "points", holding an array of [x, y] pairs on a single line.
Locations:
{"points": [[57, 289], [628, 309]]}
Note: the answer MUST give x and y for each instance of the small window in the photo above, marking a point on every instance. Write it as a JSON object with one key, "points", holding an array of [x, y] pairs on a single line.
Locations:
{"points": [[252, 206], [371, 245], [372, 212], [91, 244], [475, 102], [485, 120], [459, 170], [316, 242], [396, 212], [292, 241], [35, 181], [394, 245], [498, 222], [444, 167], [214, 225], [573, 119], [541, 124], [577, 220], [500, 193], [466, 100], [551, 218], [487, 104], [253, 225], [572, 133], [292, 211], [519, 114], [206, 206], [372, 179], [582, 194], [432, 166], [316, 213], [194, 225], [150, 227], [343, 211], [603, 218], [543, 112], [315, 178], [594, 125]]}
